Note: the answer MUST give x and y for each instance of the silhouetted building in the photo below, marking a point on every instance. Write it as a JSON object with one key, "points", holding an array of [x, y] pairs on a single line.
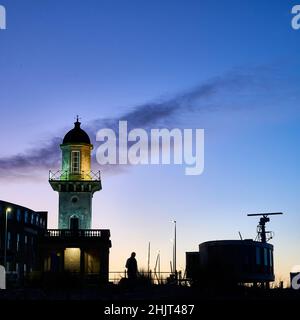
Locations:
{"points": [[75, 247], [230, 262], [83, 253], [24, 228]]}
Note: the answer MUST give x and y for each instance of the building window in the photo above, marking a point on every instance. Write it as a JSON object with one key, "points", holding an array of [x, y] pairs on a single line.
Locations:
{"points": [[8, 246], [8, 267], [265, 256], [37, 220], [18, 241], [271, 258], [75, 162], [19, 215], [258, 261], [25, 240], [25, 269], [32, 219], [10, 215], [17, 268], [26, 216]]}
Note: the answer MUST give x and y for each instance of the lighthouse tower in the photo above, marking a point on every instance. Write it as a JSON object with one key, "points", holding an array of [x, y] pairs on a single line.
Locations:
{"points": [[75, 182]]}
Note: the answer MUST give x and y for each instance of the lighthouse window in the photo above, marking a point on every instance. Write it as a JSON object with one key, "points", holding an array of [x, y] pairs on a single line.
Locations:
{"points": [[74, 199], [74, 223], [75, 162]]}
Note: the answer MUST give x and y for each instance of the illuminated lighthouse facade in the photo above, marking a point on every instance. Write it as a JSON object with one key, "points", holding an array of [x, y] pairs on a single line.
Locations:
{"points": [[75, 182]]}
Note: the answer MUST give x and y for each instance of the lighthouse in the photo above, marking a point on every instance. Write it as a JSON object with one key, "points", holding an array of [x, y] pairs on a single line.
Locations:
{"points": [[75, 183], [75, 247]]}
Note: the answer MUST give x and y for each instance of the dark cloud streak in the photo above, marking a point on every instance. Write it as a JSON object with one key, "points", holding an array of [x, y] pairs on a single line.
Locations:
{"points": [[143, 116]]}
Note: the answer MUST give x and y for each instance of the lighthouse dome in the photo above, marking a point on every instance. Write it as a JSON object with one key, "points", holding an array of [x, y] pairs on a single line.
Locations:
{"points": [[76, 135]]}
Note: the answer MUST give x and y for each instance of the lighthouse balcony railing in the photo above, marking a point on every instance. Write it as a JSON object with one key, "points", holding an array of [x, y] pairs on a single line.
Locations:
{"points": [[79, 233], [61, 175]]}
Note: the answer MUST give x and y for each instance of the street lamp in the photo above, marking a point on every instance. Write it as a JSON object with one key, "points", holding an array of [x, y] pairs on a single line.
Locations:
{"points": [[174, 252], [7, 211]]}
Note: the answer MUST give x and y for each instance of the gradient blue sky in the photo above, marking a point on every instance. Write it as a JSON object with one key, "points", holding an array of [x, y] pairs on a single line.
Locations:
{"points": [[101, 59]]}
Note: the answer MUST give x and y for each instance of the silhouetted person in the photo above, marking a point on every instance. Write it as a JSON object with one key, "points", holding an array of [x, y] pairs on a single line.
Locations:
{"points": [[131, 266]]}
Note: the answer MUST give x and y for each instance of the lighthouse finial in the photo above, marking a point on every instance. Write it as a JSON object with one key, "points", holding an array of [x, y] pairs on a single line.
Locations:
{"points": [[77, 123]]}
